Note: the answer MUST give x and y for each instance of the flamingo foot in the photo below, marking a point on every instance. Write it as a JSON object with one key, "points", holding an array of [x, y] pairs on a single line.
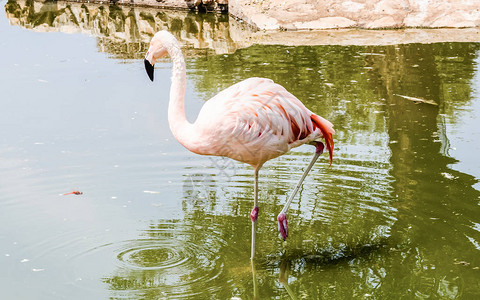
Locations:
{"points": [[282, 225], [254, 214]]}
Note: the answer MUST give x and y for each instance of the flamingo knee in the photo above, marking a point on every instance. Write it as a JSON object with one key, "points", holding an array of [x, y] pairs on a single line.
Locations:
{"points": [[283, 225], [254, 214]]}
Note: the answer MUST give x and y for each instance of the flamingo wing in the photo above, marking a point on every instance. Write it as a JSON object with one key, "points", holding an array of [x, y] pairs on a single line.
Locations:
{"points": [[256, 120]]}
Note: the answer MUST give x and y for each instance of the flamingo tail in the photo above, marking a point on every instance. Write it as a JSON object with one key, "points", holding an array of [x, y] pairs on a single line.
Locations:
{"points": [[327, 131]]}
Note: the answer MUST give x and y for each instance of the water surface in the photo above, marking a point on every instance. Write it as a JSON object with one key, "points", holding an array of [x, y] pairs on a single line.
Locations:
{"points": [[395, 216]]}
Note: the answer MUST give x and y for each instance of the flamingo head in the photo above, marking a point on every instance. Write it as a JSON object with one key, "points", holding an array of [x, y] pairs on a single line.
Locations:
{"points": [[157, 49]]}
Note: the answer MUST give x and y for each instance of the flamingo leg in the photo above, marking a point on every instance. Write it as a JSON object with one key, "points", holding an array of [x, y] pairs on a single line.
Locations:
{"points": [[254, 275], [282, 217], [254, 214]]}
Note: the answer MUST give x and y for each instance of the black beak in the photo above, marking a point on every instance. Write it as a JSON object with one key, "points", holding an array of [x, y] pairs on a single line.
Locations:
{"points": [[149, 69]]}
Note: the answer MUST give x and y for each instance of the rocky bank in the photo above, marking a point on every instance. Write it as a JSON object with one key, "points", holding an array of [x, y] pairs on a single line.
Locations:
{"points": [[369, 14], [331, 14]]}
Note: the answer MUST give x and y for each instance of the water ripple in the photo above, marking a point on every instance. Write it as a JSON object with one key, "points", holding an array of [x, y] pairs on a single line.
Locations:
{"points": [[169, 260]]}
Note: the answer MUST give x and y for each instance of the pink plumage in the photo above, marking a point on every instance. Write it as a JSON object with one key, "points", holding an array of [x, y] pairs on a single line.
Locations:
{"points": [[256, 120]]}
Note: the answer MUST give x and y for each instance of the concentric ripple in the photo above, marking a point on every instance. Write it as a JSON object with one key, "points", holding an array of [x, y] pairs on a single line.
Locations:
{"points": [[154, 254], [168, 260]]}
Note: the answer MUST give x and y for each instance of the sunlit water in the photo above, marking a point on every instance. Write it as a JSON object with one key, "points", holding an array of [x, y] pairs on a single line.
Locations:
{"points": [[395, 216]]}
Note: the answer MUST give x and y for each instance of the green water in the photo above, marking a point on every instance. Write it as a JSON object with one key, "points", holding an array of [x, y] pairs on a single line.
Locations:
{"points": [[396, 216]]}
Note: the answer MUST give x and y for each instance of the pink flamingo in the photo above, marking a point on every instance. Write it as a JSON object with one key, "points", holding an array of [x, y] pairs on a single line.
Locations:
{"points": [[252, 121]]}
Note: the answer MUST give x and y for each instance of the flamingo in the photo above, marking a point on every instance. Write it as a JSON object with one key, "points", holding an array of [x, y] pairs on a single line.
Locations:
{"points": [[252, 121]]}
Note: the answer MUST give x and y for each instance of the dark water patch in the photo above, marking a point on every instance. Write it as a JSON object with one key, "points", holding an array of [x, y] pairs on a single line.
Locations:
{"points": [[301, 259]]}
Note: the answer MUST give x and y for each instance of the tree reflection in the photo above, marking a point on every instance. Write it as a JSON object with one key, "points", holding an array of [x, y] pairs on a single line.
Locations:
{"points": [[433, 200]]}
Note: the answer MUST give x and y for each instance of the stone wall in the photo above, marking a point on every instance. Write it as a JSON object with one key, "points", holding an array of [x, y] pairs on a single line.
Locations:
{"points": [[371, 14]]}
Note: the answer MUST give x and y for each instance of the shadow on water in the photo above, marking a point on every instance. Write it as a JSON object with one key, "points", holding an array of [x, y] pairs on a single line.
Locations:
{"points": [[318, 264]]}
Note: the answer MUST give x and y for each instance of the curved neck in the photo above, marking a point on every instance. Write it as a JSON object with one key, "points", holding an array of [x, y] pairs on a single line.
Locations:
{"points": [[177, 120]]}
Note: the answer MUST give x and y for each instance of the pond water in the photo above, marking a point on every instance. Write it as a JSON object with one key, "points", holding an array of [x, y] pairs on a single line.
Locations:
{"points": [[395, 216]]}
